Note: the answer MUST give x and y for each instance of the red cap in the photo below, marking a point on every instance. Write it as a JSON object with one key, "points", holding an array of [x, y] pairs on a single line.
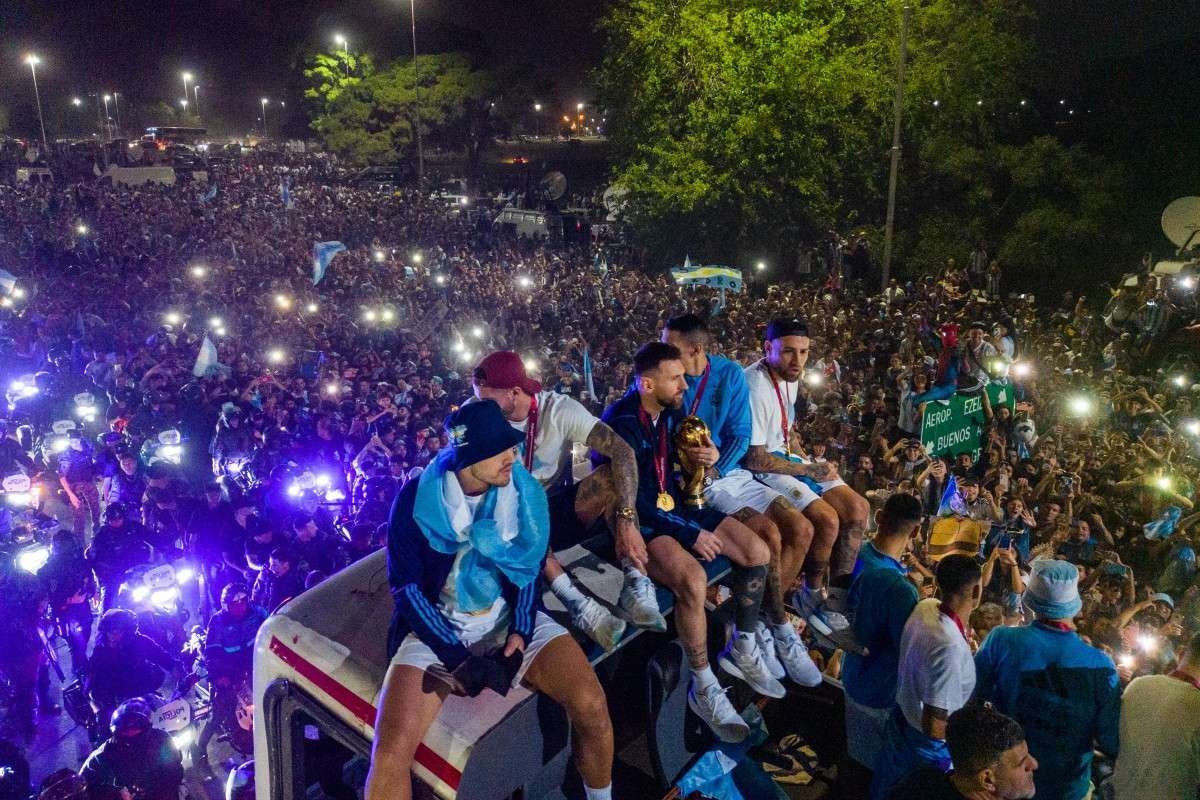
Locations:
{"points": [[504, 369]]}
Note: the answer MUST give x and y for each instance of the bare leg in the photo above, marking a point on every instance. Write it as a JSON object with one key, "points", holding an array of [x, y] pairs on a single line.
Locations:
{"points": [[407, 707], [562, 672], [678, 570], [795, 539], [853, 512], [596, 498], [825, 531], [766, 530]]}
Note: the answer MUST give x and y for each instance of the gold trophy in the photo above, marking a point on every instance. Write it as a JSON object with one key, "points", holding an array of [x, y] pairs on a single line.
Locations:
{"points": [[691, 432]]}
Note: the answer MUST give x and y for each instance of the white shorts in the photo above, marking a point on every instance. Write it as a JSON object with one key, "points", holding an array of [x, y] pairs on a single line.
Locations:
{"points": [[833, 484], [736, 490], [415, 653], [796, 491]]}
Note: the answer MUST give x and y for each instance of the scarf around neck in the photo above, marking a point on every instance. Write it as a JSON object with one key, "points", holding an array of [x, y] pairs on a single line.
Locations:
{"points": [[507, 535]]}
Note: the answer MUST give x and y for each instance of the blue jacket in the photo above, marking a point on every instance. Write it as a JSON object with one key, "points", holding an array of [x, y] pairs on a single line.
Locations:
{"points": [[882, 599], [725, 408], [417, 574], [622, 416], [1064, 693]]}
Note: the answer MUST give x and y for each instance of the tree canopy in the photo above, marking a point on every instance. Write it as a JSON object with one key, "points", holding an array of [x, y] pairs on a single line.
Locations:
{"points": [[742, 129]]}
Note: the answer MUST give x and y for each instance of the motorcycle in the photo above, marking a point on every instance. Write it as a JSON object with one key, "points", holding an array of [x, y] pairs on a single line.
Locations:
{"points": [[24, 530], [241, 734], [154, 593], [166, 447]]}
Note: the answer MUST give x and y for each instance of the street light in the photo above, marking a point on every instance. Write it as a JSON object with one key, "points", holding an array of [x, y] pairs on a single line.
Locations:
{"points": [[412, 10], [195, 105], [187, 78], [32, 60], [579, 106], [117, 111], [264, 102], [75, 101]]}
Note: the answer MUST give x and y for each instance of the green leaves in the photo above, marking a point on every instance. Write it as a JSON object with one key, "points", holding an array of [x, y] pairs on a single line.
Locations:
{"points": [[369, 119]]}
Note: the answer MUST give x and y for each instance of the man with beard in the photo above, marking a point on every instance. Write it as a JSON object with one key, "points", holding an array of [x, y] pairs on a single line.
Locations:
{"points": [[678, 538], [552, 423], [838, 513]]}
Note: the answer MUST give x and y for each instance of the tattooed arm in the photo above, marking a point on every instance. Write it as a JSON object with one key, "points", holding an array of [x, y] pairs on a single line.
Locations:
{"points": [[759, 460], [604, 441]]}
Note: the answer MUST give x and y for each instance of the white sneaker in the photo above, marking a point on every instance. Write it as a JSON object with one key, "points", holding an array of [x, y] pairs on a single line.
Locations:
{"points": [[766, 646], [595, 620], [796, 660], [812, 608], [639, 601], [749, 667], [712, 706]]}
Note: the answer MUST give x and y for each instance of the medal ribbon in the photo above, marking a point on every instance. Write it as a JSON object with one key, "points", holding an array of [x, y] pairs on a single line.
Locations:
{"points": [[700, 392], [530, 432], [783, 417], [660, 449]]}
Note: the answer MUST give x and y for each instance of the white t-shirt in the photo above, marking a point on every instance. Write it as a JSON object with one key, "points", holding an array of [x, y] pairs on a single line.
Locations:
{"points": [[936, 666], [562, 421], [767, 422]]}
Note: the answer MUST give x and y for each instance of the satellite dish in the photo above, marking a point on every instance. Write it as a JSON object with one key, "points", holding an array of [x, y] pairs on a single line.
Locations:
{"points": [[554, 185], [1181, 221]]}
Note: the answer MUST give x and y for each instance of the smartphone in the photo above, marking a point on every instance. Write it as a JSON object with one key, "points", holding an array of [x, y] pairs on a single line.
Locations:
{"points": [[1005, 542]]}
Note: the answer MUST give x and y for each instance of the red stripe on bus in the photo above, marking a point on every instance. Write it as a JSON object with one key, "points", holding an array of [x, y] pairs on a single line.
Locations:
{"points": [[442, 769]]}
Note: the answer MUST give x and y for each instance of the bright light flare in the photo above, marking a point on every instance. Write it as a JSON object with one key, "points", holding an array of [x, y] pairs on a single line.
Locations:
{"points": [[1148, 643], [185, 574], [33, 559], [477, 332], [1080, 406], [81, 229], [814, 378], [283, 301], [1192, 427], [441, 280], [173, 317], [524, 282], [312, 308], [530, 365], [276, 356], [199, 271], [1021, 369], [1181, 381]]}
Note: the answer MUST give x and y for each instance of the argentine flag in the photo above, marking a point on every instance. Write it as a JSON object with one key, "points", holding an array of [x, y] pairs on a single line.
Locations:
{"points": [[206, 360], [323, 253], [285, 192]]}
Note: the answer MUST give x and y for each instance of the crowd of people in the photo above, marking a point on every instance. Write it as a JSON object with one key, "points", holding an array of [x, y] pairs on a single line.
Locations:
{"points": [[295, 414]]}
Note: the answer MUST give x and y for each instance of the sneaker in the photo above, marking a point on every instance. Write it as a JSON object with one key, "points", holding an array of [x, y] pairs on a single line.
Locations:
{"points": [[750, 668], [712, 706], [766, 646], [640, 603], [601, 627], [796, 661], [812, 608]]}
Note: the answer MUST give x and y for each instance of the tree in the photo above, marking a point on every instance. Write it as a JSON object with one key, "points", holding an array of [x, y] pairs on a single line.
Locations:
{"points": [[748, 126], [329, 74], [370, 121]]}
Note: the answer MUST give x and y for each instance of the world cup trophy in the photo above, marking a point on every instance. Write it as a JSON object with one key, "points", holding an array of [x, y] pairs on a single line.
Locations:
{"points": [[691, 432]]}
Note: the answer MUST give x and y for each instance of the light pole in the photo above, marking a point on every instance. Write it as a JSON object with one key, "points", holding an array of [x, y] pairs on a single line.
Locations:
{"points": [[537, 110], [264, 116], [893, 174], [32, 60], [107, 118], [187, 78], [342, 42], [117, 111], [195, 105], [412, 9]]}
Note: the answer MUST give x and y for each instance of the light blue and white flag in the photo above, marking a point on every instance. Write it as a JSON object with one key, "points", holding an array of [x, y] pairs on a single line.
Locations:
{"points": [[718, 277], [210, 195], [719, 306], [285, 191], [8, 281], [587, 373], [206, 360], [952, 503], [323, 253]]}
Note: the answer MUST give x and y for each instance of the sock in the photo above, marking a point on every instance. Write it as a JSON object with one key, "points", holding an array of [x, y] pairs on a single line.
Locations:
{"points": [[598, 794], [704, 677], [744, 642], [632, 573], [784, 631], [748, 586], [565, 591]]}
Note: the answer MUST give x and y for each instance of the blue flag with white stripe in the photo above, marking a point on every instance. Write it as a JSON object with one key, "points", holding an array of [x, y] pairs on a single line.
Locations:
{"points": [[323, 253], [587, 373], [718, 277], [285, 191], [210, 195]]}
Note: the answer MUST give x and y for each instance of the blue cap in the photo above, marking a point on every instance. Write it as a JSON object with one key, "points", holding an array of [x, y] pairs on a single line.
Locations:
{"points": [[478, 431], [1053, 589]]}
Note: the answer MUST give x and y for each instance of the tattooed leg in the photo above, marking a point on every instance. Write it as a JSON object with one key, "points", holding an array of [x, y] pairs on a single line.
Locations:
{"points": [[765, 529]]}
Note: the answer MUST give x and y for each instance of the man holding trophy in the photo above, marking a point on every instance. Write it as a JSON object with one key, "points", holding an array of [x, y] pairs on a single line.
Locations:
{"points": [[680, 531]]}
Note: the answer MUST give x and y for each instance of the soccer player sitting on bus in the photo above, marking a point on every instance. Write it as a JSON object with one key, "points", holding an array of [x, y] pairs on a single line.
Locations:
{"points": [[465, 549]]}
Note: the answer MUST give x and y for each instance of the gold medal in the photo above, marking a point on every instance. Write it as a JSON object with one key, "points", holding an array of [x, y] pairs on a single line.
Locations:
{"points": [[665, 502]]}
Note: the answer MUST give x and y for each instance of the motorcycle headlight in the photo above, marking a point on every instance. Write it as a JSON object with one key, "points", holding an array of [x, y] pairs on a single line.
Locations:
{"points": [[59, 445], [164, 598], [172, 452], [140, 593], [183, 739], [335, 496], [19, 499], [33, 559], [324, 480], [185, 574], [294, 490]]}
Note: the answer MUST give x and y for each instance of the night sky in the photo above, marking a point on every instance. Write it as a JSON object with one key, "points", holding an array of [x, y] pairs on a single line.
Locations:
{"points": [[241, 50]]}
